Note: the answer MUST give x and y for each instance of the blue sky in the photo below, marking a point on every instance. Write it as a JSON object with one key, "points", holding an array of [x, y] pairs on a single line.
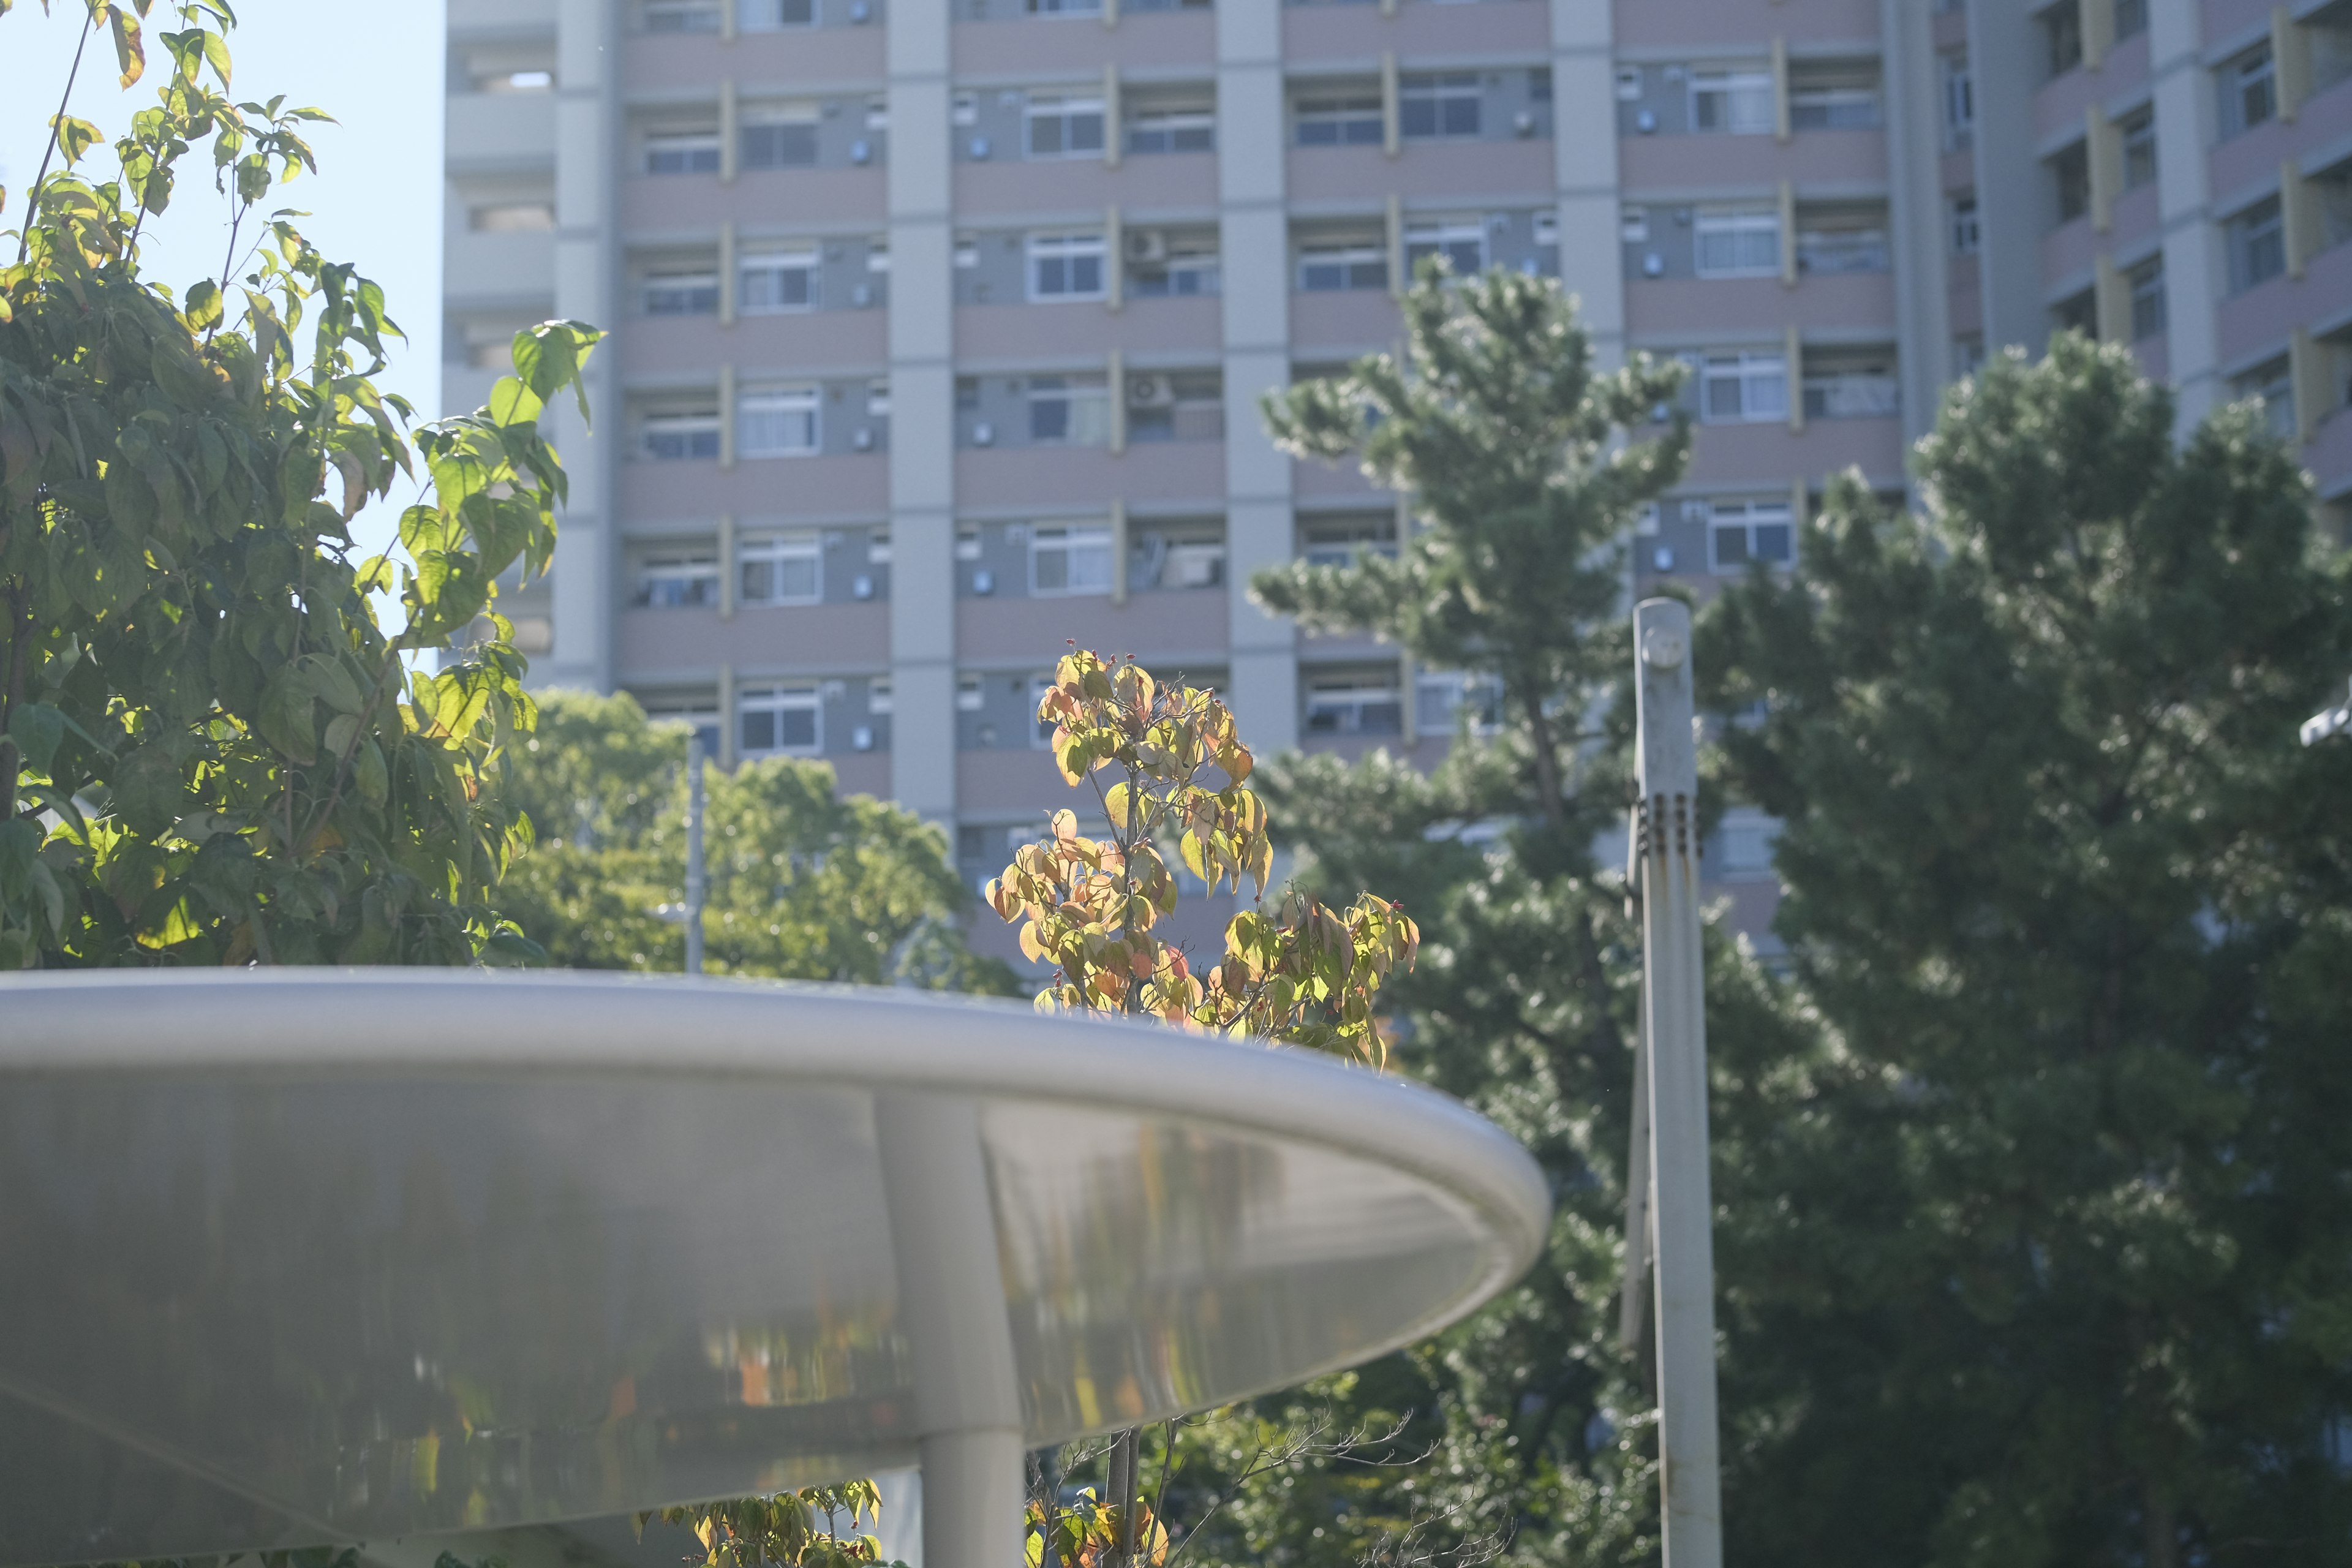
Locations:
{"points": [[376, 201]]}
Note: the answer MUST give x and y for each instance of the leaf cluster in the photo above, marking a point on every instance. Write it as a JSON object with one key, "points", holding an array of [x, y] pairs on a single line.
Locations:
{"points": [[816, 1527], [214, 748], [1086, 1532], [1302, 974]]}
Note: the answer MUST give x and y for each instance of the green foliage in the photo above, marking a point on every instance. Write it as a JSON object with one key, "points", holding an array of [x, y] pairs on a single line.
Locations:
{"points": [[2040, 1259], [1304, 974], [214, 752], [784, 1529], [1507, 435], [802, 883]]}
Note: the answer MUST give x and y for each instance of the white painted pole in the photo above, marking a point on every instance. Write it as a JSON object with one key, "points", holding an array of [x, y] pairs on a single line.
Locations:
{"points": [[951, 1306], [1674, 1011], [694, 879], [1635, 1299]]}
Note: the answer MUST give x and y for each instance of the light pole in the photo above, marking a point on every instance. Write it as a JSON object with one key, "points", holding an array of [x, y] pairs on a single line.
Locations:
{"points": [[1673, 1018], [2327, 721], [694, 853]]}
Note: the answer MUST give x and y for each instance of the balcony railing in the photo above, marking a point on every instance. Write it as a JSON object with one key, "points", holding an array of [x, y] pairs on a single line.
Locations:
{"points": [[1852, 397]]}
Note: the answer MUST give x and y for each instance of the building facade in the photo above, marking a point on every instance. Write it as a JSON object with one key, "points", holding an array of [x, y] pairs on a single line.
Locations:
{"points": [[938, 325]]}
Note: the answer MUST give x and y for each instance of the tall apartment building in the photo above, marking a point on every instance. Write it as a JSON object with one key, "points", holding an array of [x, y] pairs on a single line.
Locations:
{"points": [[938, 325]]}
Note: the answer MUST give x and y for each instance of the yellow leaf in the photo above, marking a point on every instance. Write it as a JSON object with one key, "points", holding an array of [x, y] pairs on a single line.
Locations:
{"points": [[1066, 825]]}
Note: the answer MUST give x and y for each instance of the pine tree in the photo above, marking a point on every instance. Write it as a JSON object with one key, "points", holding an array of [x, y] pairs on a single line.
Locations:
{"points": [[2044, 1259]]}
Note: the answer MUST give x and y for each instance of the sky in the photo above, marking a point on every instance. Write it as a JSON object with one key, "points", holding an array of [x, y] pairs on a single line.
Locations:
{"points": [[376, 200]]}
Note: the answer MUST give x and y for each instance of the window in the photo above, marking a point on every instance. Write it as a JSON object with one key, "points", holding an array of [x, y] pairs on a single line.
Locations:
{"points": [[1740, 388], [1737, 243], [1738, 103], [2249, 86], [1185, 267], [1862, 387], [1462, 242], [2062, 36], [1187, 405], [1328, 269], [2138, 133], [540, 80], [2069, 181], [1063, 7], [2334, 190], [1354, 120], [780, 139], [2256, 241], [1629, 84], [681, 16], [777, 422], [1065, 267], [778, 720], [1743, 843], [1744, 533], [2147, 282], [1354, 705], [1959, 104], [2274, 385], [1069, 560], [670, 438], [781, 569], [1346, 545], [1833, 244], [768, 15], [1442, 696], [779, 281], [1443, 104], [698, 714], [2131, 17], [1066, 126], [1964, 237], [1172, 130], [1068, 410], [512, 217], [1833, 107], [682, 152], [678, 580], [681, 294], [1176, 561]]}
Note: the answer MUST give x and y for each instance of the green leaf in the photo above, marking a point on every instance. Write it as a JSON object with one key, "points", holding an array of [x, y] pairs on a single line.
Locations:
{"points": [[512, 403], [37, 728]]}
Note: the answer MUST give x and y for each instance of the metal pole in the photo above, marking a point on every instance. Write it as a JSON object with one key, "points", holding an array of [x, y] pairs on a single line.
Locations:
{"points": [[1635, 1299], [694, 853], [1674, 1011]]}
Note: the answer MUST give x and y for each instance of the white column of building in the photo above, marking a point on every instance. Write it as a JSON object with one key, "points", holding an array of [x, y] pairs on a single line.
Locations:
{"points": [[2192, 259], [1915, 218], [1254, 247], [922, 413], [587, 154], [1584, 171]]}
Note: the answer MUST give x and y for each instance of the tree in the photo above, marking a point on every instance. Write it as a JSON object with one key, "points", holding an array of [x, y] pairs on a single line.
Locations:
{"points": [[211, 749], [802, 882], [1169, 771], [1527, 467], [2044, 1259]]}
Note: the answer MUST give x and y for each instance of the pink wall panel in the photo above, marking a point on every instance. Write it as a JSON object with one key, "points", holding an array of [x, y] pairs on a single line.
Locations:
{"points": [[1171, 471], [2155, 356], [1348, 323], [1021, 44], [1682, 307], [789, 487], [1189, 622], [1328, 481], [698, 204], [1006, 782], [1815, 157], [1424, 174], [1965, 296], [813, 639], [819, 341], [1174, 180], [1087, 331], [2138, 216], [2067, 252], [2254, 158], [1418, 30], [2227, 18], [2259, 320], [1769, 454], [861, 773], [1720, 25], [816, 56]]}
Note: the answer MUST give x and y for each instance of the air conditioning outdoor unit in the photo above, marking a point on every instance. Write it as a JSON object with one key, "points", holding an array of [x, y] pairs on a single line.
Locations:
{"points": [[1147, 245], [1149, 392]]}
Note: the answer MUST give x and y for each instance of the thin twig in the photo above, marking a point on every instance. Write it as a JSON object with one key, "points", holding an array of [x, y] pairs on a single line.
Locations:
{"points": [[57, 126]]}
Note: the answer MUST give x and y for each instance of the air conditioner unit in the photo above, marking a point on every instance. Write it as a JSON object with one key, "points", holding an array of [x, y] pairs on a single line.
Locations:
{"points": [[1149, 392], [1147, 245]]}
